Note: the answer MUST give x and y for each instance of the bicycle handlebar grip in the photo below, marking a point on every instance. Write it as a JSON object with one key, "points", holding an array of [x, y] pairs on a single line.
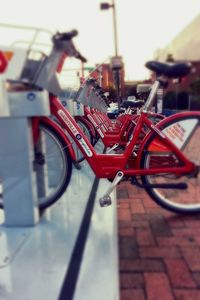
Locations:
{"points": [[65, 36], [71, 34], [82, 58]]}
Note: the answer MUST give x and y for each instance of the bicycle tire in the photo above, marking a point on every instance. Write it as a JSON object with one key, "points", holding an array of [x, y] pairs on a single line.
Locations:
{"points": [[175, 200], [59, 165], [56, 154]]}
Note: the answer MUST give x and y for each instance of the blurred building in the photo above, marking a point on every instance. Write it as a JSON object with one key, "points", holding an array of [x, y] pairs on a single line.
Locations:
{"points": [[131, 87], [105, 76], [184, 47]]}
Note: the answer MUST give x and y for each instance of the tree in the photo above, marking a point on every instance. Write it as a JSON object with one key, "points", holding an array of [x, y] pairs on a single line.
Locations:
{"points": [[170, 58]]}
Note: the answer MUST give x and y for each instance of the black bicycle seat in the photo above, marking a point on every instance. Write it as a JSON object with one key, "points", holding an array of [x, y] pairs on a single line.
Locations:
{"points": [[133, 104], [171, 70]]}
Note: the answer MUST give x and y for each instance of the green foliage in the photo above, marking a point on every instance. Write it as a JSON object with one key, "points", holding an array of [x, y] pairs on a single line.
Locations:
{"points": [[170, 57]]}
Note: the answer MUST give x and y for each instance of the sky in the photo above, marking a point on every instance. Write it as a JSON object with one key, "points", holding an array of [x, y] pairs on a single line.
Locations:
{"points": [[143, 26]]}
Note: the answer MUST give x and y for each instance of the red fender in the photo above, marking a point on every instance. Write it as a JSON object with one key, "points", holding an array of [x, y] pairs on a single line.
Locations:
{"points": [[60, 131], [156, 144]]}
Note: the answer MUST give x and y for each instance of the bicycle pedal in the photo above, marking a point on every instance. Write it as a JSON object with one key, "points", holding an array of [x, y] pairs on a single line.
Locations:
{"points": [[105, 201]]}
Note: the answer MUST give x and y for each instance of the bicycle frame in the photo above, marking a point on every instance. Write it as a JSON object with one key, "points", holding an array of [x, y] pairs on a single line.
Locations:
{"points": [[107, 165], [58, 129], [115, 134], [111, 137]]}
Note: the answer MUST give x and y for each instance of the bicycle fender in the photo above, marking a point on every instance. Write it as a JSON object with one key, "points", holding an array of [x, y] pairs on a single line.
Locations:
{"points": [[175, 133], [60, 132]]}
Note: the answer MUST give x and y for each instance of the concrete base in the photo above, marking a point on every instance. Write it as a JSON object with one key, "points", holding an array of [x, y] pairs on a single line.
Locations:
{"points": [[34, 262]]}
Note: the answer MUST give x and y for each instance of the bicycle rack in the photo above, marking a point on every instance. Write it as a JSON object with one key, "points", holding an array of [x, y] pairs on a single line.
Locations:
{"points": [[51, 243], [88, 95], [17, 105]]}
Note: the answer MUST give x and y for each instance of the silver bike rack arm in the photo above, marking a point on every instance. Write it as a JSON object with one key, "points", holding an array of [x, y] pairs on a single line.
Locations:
{"points": [[88, 95]]}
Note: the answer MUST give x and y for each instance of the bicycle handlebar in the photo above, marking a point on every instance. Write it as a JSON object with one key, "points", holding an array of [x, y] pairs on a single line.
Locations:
{"points": [[81, 57], [42, 73], [65, 36], [63, 41]]}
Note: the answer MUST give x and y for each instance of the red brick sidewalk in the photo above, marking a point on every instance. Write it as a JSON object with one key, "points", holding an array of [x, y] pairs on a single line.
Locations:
{"points": [[159, 250]]}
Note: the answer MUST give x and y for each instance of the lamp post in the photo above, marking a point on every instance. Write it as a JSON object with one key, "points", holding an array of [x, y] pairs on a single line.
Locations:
{"points": [[105, 6], [116, 60]]}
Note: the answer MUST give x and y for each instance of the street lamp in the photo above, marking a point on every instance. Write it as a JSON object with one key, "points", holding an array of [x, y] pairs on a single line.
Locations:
{"points": [[105, 6], [116, 60]]}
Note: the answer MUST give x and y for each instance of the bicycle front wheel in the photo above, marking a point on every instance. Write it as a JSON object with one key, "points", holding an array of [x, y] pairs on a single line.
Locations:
{"points": [[185, 132], [53, 166]]}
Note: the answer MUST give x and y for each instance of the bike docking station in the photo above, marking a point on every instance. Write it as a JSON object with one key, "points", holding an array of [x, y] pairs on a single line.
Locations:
{"points": [[17, 106], [70, 250]]}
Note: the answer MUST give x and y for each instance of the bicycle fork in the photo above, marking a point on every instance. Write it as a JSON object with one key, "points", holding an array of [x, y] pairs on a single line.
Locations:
{"points": [[106, 199]]}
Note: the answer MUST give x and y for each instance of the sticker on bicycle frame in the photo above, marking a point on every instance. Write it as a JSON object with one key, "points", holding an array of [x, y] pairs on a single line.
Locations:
{"points": [[96, 126], [179, 132], [78, 136], [85, 147], [103, 127], [75, 133]]}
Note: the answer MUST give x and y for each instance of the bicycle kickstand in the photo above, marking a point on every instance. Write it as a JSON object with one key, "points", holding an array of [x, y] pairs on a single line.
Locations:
{"points": [[106, 199]]}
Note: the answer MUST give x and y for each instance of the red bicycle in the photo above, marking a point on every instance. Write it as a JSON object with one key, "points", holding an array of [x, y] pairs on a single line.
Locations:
{"points": [[114, 135], [166, 162]]}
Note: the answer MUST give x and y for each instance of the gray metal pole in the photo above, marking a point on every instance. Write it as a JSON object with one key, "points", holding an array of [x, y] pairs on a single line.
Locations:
{"points": [[117, 71], [115, 27]]}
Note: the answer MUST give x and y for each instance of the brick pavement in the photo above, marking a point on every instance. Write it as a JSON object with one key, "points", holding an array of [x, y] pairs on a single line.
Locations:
{"points": [[159, 250]]}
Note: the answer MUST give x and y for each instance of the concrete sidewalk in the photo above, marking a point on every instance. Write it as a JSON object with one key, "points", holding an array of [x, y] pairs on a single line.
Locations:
{"points": [[159, 250]]}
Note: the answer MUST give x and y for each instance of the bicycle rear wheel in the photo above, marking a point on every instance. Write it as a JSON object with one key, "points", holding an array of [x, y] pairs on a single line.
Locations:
{"points": [[187, 201]]}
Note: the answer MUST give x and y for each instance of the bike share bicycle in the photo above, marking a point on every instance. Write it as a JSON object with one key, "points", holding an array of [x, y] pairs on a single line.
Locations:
{"points": [[119, 131], [166, 163]]}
